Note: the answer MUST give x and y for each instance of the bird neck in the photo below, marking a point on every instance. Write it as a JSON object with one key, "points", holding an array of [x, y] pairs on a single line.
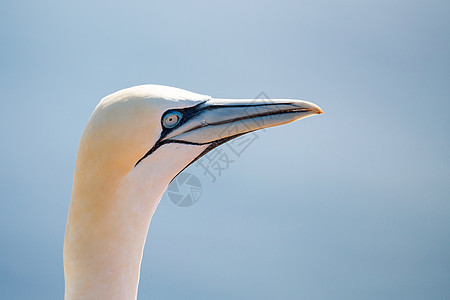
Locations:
{"points": [[104, 241], [108, 221]]}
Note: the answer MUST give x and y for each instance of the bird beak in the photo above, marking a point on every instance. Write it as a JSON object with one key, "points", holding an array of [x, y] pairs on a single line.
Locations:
{"points": [[219, 120]]}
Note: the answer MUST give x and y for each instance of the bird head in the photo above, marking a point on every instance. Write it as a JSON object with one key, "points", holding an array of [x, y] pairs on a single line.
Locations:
{"points": [[136, 141], [135, 127]]}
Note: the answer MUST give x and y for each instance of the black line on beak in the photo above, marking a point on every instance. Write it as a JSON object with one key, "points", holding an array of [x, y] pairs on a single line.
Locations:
{"points": [[191, 112]]}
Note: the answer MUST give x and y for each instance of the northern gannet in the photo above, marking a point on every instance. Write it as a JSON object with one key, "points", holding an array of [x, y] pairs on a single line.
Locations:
{"points": [[135, 142]]}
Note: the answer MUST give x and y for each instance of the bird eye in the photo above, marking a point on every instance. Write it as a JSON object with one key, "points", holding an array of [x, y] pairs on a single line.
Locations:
{"points": [[171, 119]]}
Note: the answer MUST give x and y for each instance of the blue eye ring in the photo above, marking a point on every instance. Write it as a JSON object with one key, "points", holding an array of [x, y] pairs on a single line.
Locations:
{"points": [[171, 119]]}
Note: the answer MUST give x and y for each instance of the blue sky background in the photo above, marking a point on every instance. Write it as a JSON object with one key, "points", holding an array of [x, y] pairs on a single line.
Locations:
{"points": [[352, 204]]}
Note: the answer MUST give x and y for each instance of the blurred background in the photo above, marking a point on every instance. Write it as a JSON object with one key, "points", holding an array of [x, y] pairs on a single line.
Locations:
{"points": [[352, 204]]}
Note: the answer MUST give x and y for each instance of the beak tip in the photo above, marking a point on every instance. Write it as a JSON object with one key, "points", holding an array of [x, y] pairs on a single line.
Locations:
{"points": [[313, 108], [319, 110]]}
